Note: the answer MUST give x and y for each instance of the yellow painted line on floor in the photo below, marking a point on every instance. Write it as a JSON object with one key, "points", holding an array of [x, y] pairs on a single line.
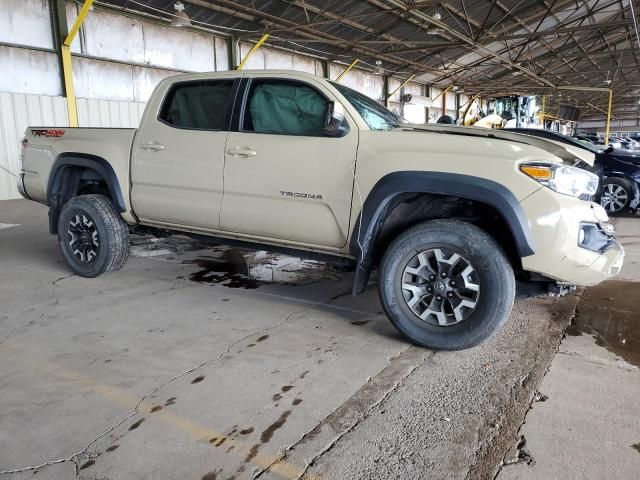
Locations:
{"points": [[126, 400]]}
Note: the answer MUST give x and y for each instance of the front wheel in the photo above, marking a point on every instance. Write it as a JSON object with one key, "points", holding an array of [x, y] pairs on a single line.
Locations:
{"points": [[93, 237], [446, 285], [616, 196]]}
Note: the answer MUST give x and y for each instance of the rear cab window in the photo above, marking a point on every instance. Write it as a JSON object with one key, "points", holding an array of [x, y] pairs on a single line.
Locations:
{"points": [[198, 105]]}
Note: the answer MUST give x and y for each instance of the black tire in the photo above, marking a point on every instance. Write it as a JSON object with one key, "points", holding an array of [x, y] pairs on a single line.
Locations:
{"points": [[623, 192], [491, 271], [95, 215]]}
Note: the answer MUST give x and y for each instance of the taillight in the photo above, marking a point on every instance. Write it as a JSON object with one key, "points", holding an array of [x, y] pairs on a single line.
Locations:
{"points": [[23, 147]]}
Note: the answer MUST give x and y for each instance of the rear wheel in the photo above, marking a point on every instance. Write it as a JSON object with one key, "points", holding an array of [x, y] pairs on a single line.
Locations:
{"points": [[93, 237], [616, 196], [446, 285]]}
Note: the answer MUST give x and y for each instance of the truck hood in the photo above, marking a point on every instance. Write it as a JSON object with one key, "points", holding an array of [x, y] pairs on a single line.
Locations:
{"points": [[567, 153]]}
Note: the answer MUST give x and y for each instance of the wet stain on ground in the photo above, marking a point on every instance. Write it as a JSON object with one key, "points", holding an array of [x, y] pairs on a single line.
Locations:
{"points": [[213, 440], [360, 322], [221, 441], [230, 269], [286, 388], [611, 313], [262, 338], [251, 345], [636, 447], [112, 448], [296, 401], [252, 453], [210, 476], [136, 424], [246, 431], [304, 374], [198, 379], [170, 401], [266, 435], [87, 464], [156, 408], [276, 397]]}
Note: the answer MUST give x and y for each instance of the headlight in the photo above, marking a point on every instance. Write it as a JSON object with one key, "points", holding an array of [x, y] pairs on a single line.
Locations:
{"points": [[562, 179]]}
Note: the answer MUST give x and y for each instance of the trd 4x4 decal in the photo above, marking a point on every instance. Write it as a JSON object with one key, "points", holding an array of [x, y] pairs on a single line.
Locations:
{"points": [[47, 132]]}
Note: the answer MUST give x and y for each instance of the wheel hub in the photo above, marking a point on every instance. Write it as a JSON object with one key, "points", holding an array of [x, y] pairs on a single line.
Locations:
{"points": [[440, 287], [83, 238], [614, 197]]}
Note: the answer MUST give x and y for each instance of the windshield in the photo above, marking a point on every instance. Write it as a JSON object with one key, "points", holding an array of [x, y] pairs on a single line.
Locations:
{"points": [[373, 113]]}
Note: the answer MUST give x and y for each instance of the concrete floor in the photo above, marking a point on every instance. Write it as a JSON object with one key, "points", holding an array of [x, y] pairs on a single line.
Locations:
{"points": [[589, 423], [164, 371]]}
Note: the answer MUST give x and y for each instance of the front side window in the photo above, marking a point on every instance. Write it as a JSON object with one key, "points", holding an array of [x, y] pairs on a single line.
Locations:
{"points": [[284, 108], [201, 105], [372, 112]]}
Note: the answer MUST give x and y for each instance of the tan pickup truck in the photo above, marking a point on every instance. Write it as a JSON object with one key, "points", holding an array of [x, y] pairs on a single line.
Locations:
{"points": [[285, 161]]}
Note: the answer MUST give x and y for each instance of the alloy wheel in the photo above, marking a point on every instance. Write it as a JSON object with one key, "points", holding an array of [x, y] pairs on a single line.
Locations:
{"points": [[83, 238], [614, 197], [440, 287]]}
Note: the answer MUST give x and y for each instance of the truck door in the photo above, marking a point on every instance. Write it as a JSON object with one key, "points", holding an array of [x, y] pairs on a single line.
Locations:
{"points": [[178, 154], [284, 179]]}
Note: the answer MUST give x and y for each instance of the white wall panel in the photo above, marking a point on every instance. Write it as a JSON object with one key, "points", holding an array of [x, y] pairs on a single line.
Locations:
{"points": [[117, 37], [25, 22], [17, 112], [222, 55], [278, 60], [29, 71], [109, 113], [145, 80], [256, 60]]}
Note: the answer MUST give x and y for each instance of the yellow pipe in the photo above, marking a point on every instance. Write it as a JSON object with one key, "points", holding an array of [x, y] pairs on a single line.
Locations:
{"points": [[84, 11], [253, 49], [442, 93], [68, 85], [402, 85], [67, 66], [606, 136], [353, 64], [544, 102]]}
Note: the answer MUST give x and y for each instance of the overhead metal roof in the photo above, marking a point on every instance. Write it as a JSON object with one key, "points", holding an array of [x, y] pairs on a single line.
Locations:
{"points": [[492, 47]]}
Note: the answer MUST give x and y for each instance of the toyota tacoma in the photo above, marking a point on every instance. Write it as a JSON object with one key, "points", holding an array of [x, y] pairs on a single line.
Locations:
{"points": [[451, 217]]}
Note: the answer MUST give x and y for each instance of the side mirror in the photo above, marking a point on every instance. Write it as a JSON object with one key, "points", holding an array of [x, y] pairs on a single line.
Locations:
{"points": [[335, 124]]}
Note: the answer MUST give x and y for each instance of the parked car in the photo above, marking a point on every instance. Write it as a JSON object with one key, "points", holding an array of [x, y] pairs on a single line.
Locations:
{"points": [[620, 170], [287, 161]]}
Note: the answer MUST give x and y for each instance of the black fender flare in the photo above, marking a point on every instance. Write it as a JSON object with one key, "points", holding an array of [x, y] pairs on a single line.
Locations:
{"points": [[380, 202], [56, 187]]}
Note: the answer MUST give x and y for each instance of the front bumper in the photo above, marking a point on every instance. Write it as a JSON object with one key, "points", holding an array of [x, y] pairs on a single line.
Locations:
{"points": [[556, 221]]}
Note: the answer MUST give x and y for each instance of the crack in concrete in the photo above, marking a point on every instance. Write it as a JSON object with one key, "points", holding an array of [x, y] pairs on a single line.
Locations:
{"points": [[533, 397], [367, 413], [75, 456], [55, 282]]}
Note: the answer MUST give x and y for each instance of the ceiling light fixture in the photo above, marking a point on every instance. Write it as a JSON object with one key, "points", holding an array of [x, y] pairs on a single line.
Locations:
{"points": [[180, 19], [378, 69], [434, 30]]}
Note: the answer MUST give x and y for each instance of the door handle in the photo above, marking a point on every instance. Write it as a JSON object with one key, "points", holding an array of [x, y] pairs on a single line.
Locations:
{"points": [[242, 152], [153, 146]]}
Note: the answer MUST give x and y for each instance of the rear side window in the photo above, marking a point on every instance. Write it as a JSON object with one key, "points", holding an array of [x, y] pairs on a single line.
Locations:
{"points": [[198, 105], [284, 108]]}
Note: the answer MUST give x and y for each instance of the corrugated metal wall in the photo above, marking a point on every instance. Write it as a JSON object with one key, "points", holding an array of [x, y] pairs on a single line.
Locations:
{"points": [[19, 110]]}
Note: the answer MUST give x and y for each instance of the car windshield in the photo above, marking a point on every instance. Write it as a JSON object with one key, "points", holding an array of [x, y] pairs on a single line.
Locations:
{"points": [[373, 113]]}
